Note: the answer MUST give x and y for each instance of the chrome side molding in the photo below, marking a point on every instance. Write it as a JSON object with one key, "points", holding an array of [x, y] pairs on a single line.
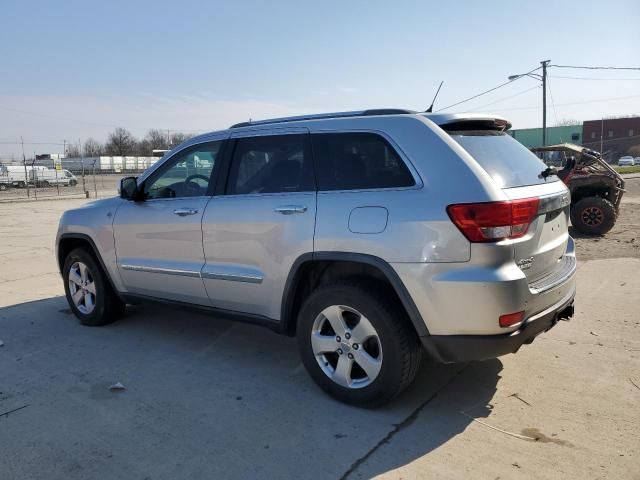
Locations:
{"points": [[232, 273], [166, 271]]}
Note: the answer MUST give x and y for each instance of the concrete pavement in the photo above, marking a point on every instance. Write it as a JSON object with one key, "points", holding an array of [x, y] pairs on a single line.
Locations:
{"points": [[207, 398]]}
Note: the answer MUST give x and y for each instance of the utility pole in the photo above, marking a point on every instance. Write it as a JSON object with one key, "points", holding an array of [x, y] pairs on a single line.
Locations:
{"points": [[24, 160], [544, 101]]}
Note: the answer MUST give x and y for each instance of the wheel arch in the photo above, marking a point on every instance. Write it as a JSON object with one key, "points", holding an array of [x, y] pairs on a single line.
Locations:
{"points": [[595, 189], [70, 241], [313, 269]]}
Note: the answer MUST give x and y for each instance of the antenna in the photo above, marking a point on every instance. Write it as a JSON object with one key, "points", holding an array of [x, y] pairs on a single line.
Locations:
{"points": [[430, 109]]}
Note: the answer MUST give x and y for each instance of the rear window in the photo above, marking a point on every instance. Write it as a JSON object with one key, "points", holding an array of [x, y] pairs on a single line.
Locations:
{"points": [[506, 160]]}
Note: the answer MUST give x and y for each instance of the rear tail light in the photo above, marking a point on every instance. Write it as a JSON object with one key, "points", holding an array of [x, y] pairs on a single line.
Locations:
{"points": [[494, 221], [510, 319]]}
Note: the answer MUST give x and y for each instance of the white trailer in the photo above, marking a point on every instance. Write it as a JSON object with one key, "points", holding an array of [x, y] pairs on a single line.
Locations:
{"points": [[16, 175]]}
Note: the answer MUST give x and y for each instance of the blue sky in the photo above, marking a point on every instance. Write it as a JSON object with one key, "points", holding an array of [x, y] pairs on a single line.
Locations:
{"points": [[70, 70]]}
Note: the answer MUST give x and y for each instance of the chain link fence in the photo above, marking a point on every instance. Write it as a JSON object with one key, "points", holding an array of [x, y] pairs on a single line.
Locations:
{"points": [[94, 177]]}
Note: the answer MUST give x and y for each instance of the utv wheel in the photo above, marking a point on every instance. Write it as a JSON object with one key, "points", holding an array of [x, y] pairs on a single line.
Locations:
{"points": [[88, 291], [593, 216], [356, 344]]}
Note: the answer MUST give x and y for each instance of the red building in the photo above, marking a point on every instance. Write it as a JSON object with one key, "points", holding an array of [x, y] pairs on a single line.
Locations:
{"points": [[614, 137]]}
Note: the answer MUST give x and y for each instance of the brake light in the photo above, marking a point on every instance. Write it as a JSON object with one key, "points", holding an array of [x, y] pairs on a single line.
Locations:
{"points": [[494, 221], [510, 319]]}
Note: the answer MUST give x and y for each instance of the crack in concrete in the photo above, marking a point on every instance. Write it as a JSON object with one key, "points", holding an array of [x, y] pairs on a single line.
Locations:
{"points": [[400, 426]]}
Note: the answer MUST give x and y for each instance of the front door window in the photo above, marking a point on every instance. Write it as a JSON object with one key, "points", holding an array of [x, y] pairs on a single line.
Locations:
{"points": [[188, 174]]}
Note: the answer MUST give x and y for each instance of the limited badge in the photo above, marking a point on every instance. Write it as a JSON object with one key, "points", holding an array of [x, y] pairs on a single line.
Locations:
{"points": [[525, 263]]}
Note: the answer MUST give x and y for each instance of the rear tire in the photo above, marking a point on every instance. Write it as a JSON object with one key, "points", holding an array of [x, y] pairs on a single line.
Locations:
{"points": [[593, 216], [88, 290], [378, 349]]}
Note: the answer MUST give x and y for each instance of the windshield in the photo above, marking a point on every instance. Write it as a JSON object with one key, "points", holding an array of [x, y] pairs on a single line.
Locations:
{"points": [[506, 160]]}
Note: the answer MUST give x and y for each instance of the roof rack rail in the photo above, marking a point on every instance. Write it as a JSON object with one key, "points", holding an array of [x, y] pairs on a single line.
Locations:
{"points": [[360, 113]]}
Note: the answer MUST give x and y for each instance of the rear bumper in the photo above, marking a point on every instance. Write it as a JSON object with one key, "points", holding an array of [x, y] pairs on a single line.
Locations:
{"points": [[464, 348]]}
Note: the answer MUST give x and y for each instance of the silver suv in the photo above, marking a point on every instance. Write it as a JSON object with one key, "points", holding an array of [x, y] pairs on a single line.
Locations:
{"points": [[372, 236]]}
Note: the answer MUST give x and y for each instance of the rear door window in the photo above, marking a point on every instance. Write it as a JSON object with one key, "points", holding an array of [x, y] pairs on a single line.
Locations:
{"points": [[352, 161], [506, 160], [271, 164]]}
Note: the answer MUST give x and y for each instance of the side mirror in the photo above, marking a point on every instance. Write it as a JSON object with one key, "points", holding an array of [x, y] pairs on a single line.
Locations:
{"points": [[129, 188]]}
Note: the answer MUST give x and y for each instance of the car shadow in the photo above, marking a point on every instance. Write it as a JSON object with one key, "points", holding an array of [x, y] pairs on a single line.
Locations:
{"points": [[205, 398]]}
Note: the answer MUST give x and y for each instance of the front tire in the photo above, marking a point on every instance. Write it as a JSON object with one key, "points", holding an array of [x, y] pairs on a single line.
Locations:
{"points": [[356, 344], [593, 216], [88, 290]]}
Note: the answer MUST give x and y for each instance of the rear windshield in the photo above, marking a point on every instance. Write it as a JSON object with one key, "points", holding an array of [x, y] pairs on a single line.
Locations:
{"points": [[506, 160]]}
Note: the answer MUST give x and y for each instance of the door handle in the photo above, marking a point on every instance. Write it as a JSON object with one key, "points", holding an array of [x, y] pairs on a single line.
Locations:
{"points": [[291, 209], [183, 212]]}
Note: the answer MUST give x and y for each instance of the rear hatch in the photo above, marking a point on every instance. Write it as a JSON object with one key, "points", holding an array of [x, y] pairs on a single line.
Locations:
{"points": [[540, 251]]}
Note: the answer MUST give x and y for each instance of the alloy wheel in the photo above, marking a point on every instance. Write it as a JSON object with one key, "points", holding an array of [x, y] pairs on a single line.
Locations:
{"points": [[82, 288], [346, 346]]}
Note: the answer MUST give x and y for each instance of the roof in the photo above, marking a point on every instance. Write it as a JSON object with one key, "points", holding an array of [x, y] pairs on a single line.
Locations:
{"points": [[438, 118], [566, 147], [299, 118]]}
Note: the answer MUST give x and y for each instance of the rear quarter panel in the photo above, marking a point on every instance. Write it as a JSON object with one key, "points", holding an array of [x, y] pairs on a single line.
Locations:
{"points": [[418, 227]]}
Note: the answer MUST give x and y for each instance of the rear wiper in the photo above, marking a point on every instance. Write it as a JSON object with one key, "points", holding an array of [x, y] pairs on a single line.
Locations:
{"points": [[547, 172]]}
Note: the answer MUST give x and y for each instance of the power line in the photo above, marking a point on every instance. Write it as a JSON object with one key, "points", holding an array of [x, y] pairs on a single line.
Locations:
{"points": [[488, 91], [595, 68], [535, 69], [33, 143], [553, 104], [506, 98], [574, 103], [594, 78]]}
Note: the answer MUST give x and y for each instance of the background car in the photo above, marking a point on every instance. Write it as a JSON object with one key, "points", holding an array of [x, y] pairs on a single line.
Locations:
{"points": [[626, 161]]}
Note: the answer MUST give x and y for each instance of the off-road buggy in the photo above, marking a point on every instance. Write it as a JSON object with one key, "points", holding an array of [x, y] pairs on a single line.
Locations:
{"points": [[596, 188]]}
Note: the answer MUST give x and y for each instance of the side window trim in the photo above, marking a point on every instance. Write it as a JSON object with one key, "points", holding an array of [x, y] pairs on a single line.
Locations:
{"points": [[170, 162], [222, 184], [417, 179]]}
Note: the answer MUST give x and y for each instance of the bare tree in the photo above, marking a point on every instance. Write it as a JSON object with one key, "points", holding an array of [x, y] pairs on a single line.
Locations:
{"points": [[567, 122], [177, 138], [120, 143], [153, 140], [73, 150], [92, 148]]}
